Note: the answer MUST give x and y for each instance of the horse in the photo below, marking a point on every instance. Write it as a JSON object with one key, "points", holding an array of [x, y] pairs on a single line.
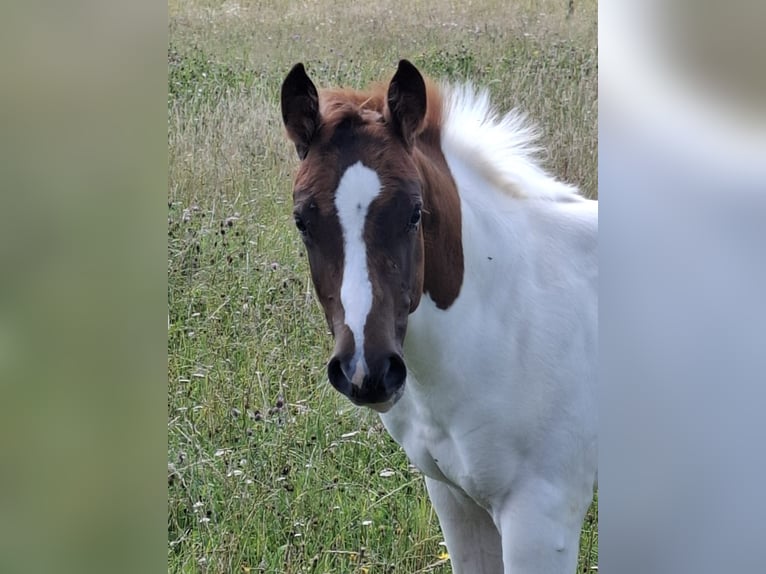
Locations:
{"points": [[459, 282]]}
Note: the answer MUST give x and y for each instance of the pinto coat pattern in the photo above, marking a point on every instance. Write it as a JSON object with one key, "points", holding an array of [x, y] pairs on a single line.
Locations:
{"points": [[459, 281]]}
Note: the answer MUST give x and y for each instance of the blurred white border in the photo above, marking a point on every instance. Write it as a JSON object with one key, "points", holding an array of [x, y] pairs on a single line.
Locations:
{"points": [[641, 90]]}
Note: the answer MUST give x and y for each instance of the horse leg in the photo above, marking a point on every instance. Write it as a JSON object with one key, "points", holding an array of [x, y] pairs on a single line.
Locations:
{"points": [[473, 541], [540, 528]]}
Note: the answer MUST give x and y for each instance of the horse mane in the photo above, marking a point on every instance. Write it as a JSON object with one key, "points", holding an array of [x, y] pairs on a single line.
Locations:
{"points": [[462, 121], [503, 148]]}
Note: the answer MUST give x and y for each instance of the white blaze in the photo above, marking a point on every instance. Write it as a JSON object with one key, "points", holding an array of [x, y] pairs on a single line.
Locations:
{"points": [[357, 189]]}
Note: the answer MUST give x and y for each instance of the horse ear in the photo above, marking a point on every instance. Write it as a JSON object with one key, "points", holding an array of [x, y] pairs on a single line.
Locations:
{"points": [[407, 102], [300, 109]]}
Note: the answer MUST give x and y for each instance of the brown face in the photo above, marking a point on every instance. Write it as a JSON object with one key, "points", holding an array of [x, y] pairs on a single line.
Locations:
{"points": [[357, 205]]}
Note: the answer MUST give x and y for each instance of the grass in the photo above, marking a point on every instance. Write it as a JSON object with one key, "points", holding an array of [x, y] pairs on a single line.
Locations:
{"points": [[269, 469]]}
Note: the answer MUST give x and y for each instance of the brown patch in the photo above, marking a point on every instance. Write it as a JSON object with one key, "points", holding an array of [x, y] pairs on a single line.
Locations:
{"points": [[442, 219]]}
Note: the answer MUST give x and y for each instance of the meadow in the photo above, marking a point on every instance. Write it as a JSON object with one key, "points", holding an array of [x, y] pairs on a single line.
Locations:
{"points": [[269, 469]]}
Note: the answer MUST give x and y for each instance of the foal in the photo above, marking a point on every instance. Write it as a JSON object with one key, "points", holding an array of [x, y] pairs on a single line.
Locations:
{"points": [[423, 214]]}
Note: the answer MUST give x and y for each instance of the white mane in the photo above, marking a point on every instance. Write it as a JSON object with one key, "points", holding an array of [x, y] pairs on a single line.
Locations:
{"points": [[501, 149]]}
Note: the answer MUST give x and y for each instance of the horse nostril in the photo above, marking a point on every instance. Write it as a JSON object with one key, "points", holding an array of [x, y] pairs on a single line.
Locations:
{"points": [[395, 373], [337, 377]]}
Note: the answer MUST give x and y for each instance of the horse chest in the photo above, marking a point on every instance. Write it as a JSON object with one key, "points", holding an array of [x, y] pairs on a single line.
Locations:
{"points": [[438, 447], [428, 446]]}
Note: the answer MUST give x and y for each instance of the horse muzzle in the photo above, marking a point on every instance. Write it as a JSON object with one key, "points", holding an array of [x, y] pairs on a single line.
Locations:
{"points": [[378, 386]]}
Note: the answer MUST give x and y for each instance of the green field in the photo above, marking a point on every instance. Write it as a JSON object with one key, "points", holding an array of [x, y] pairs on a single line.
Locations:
{"points": [[269, 469]]}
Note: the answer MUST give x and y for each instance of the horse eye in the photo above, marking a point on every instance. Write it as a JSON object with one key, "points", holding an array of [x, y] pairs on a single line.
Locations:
{"points": [[300, 225], [415, 217]]}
